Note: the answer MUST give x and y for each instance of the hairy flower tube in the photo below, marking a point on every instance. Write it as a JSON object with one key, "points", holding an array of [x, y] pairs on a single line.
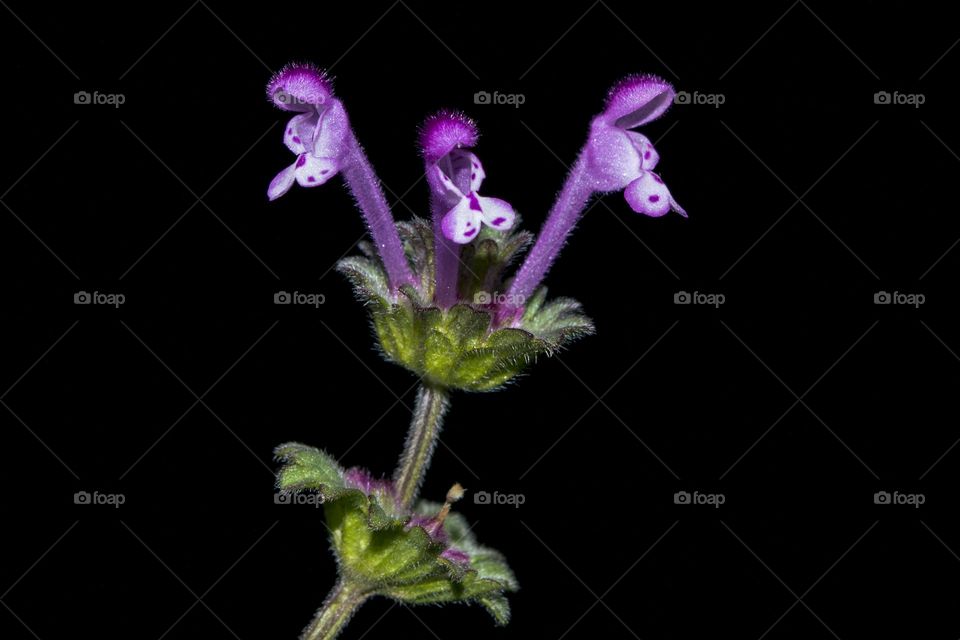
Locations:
{"points": [[324, 143], [444, 305], [614, 158]]}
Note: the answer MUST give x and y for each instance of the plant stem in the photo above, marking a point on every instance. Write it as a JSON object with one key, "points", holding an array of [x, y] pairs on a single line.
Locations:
{"points": [[564, 215], [365, 186], [428, 412], [341, 604], [446, 260]]}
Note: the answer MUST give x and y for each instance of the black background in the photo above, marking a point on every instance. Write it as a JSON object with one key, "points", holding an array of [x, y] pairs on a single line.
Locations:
{"points": [[805, 199]]}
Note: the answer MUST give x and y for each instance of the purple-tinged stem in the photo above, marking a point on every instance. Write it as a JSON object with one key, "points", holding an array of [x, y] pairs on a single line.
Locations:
{"points": [[563, 217], [446, 259], [365, 186]]}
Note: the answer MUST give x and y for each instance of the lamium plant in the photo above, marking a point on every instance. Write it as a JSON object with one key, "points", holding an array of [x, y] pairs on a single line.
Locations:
{"points": [[445, 305]]}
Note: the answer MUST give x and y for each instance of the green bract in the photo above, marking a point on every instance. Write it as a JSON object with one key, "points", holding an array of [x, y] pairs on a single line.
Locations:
{"points": [[462, 347], [380, 553]]}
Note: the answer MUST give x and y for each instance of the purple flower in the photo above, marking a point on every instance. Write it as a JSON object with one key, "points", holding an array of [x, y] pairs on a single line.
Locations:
{"points": [[455, 176], [317, 134], [618, 158], [614, 158], [321, 137], [462, 222]]}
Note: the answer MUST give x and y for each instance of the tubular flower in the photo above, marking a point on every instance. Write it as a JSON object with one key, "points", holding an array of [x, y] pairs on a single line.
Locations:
{"points": [[316, 135], [619, 158]]}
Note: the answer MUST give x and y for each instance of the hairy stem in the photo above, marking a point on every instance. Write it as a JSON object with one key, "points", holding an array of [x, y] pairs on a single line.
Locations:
{"points": [[563, 217], [365, 186], [446, 252], [446, 256], [341, 604], [428, 412]]}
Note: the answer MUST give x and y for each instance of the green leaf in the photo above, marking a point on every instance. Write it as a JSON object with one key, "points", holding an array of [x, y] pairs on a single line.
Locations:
{"points": [[308, 468], [379, 556], [391, 558], [558, 321], [369, 280]]}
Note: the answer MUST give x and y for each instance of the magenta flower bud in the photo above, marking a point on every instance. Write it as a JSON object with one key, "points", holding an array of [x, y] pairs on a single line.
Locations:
{"points": [[433, 526], [456, 556], [360, 478]]}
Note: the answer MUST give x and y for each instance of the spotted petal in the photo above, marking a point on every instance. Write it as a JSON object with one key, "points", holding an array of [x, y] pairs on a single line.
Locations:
{"points": [[440, 177], [312, 171], [460, 172], [462, 222], [649, 195], [472, 164], [300, 131], [648, 155], [496, 212]]}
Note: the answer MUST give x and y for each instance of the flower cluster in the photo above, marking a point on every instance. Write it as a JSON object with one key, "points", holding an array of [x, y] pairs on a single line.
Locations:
{"points": [[417, 276], [445, 305]]}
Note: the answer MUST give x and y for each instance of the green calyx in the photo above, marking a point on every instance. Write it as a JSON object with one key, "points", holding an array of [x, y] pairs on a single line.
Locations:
{"points": [[464, 347], [379, 550]]}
